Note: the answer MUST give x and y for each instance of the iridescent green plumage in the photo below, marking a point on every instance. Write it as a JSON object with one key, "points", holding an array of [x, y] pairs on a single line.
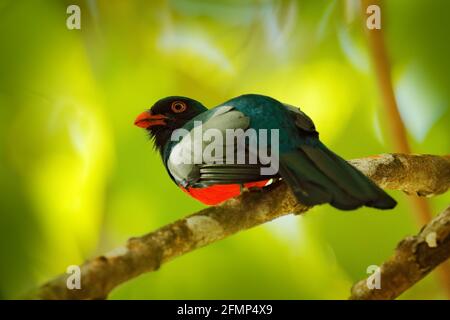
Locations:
{"points": [[314, 173]]}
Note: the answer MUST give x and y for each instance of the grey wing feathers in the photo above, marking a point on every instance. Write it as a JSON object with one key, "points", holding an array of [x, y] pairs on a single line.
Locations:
{"points": [[207, 171]]}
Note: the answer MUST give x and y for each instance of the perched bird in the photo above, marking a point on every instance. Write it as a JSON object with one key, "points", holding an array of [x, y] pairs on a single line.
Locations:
{"points": [[315, 174]]}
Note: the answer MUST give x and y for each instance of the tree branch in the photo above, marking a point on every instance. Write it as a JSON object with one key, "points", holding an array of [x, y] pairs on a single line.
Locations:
{"points": [[420, 207], [413, 259], [414, 174]]}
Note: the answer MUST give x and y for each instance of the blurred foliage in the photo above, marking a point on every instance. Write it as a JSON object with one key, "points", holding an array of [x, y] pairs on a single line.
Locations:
{"points": [[77, 178]]}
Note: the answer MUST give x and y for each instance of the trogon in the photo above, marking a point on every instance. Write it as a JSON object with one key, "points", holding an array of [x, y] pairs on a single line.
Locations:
{"points": [[315, 174]]}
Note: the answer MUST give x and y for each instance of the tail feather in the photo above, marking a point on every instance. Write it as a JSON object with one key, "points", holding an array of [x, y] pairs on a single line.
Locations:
{"points": [[317, 175]]}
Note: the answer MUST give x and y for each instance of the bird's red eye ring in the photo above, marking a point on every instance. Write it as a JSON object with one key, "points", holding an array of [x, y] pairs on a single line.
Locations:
{"points": [[178, 106]]}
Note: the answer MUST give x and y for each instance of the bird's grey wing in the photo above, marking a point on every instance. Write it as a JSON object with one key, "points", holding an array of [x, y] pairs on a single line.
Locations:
{"points": [[189, 167]]}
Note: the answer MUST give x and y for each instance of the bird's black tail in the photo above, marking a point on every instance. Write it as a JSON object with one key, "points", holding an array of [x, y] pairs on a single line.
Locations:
{"points": [[317, 175]]}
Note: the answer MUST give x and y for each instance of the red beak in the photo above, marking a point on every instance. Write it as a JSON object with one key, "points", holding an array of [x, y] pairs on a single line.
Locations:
{"points": [[146, 120]]}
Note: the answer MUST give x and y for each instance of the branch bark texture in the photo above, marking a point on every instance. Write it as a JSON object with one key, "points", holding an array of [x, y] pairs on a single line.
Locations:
{"points": [[413, 259], [420, 207], [422, 175]]}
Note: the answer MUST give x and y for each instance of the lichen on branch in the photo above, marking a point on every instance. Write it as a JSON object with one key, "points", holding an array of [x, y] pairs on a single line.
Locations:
{"points": [[413, 259]]}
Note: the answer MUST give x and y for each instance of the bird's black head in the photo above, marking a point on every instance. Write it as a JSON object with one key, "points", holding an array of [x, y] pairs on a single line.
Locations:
{"points": [[166, 115]]}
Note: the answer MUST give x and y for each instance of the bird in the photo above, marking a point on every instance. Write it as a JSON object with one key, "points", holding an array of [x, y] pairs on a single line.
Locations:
{"points": [[314, 173]]}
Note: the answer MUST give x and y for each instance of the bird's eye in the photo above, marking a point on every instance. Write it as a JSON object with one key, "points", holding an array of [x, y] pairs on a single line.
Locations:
{"points": [[178, 106]]}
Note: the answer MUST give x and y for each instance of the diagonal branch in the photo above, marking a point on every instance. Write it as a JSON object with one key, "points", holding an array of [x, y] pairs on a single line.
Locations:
{"points": [[413, 259], [423, 175]]}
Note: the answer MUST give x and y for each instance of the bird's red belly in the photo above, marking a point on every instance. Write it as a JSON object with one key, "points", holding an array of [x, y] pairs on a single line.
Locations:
{"points": [[218, 193]]}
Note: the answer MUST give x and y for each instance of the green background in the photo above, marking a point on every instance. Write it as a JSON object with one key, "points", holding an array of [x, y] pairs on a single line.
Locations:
{"points": [[78, 179]]}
